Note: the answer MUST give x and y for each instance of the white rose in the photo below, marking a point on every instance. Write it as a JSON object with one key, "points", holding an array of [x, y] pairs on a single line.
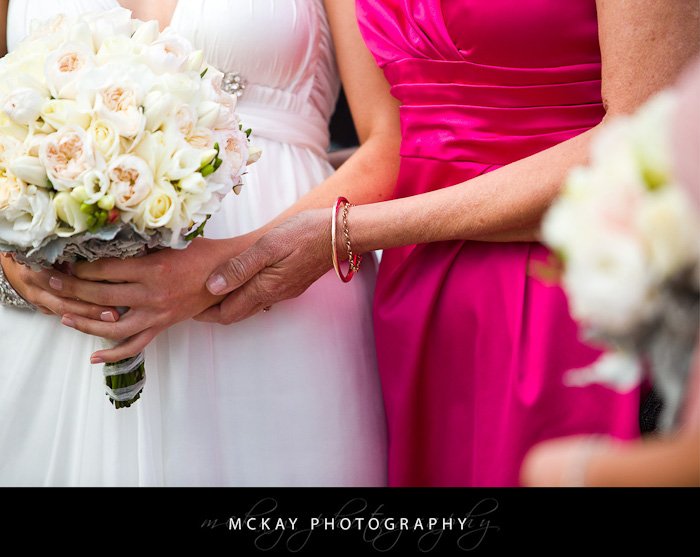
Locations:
{"points": [[228, 118], [30, 171], [161, 209], [23, 105], [184, 163], [104, 24], [669, 228], [27, 214], [196, 207], [608, 282], [65, 67], [105, 137], [59, 113], [169, 53], [131, 181], [67, 156], [72, 219]]}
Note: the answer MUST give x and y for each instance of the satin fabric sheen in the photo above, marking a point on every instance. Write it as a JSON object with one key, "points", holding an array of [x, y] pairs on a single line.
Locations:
{"points": [[290, 397], [472, 346]]}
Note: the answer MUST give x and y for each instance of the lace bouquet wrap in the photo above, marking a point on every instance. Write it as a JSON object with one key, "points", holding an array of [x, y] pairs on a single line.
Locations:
{"points": [[628, 238], [115, 139]]}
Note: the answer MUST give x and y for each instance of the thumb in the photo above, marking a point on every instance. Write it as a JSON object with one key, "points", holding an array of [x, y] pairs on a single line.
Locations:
{"points": [[236, 271]]}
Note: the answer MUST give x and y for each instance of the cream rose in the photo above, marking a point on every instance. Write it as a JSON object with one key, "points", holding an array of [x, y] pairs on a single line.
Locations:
{"points": [[169, 53], [65, 67], [131, 181], [67, 156]]}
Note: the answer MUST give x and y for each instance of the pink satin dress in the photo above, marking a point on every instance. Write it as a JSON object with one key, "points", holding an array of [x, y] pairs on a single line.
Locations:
{"points": [[472, 346]]}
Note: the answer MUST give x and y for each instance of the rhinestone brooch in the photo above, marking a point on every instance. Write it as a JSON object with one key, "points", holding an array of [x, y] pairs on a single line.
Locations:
{"points": [[234, 83]]}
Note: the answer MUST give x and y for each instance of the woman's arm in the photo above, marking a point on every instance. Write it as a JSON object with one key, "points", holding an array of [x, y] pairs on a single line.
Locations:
{"points": [[644, 45], [3, 26]]}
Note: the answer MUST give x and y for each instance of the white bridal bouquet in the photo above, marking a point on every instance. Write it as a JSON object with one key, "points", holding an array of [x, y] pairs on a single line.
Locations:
{"points": [[115, 139], [628, 239]]}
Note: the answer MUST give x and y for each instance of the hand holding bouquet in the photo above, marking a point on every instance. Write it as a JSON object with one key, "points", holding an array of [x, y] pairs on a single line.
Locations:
{"points": [[115, 139]]}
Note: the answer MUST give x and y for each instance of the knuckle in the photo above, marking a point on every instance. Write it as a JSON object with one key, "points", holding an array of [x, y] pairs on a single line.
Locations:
{"points": [[235, 269]]}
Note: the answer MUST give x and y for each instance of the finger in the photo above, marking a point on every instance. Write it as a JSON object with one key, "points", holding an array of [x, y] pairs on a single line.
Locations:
{"points": [[60, 306], [109, 270], [132, 323], [238, 270], [128, 349], [245, 302], [211, 315], [115, 295]]}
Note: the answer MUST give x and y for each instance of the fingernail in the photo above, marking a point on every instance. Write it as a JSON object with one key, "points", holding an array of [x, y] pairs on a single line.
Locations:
{"points": [[108, 316], [96, 360], [56, 283], [216, 284], [68, 322]]}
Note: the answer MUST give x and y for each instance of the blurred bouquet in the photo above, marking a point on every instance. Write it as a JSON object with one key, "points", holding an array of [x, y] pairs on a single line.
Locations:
{"points": [[115, 139], [628, 239]]}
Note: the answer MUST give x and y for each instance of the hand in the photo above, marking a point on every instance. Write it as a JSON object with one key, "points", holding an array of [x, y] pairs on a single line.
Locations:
{"points": [[561, 462], [35, 287], [160, 290], [280, 265]]}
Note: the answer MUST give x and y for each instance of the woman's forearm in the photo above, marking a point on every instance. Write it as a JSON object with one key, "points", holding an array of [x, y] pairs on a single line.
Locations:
{"points": [[504, 205], [368, 176]]}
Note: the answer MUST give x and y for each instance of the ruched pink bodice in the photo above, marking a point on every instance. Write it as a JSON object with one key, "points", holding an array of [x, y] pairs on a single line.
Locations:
{"points": [[472, 347]]}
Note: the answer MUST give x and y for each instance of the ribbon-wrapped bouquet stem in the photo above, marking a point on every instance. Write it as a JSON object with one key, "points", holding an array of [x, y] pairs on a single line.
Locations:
{"points": [[115, 139]]}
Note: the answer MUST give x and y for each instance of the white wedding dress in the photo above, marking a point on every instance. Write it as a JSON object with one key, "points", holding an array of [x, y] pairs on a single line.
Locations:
{"points": [[290, 397]]}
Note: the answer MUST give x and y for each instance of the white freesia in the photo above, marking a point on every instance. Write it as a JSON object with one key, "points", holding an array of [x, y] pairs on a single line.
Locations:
{"points": [[193, 184], [95, 186], [72, 220], [30, 171], [195, 62], [23, 106], [105, 138], [158, 150], [59, 113], [131, 181], [27, 214], [120, 49], [158, 108], [185, 162], [208, 114], [67, 156], [146, 32], [65, 67]]}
